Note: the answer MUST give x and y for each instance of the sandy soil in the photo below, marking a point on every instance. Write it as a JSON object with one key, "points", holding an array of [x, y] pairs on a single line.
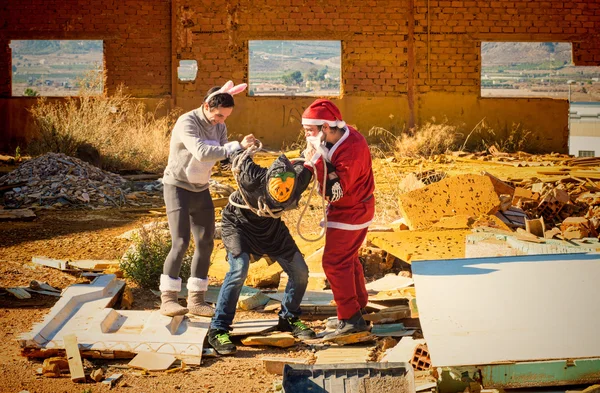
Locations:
{"points": [[92, 235]]}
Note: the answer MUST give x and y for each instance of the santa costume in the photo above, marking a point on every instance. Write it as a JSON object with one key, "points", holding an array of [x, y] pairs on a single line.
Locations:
{"points": [[351, 206]]}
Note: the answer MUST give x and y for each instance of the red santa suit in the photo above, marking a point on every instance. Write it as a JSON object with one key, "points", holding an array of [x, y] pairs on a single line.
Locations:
{"points": [[350, 211]]}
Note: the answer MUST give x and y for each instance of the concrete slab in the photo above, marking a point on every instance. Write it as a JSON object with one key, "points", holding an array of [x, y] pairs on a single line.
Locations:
{"points": [[464, 194], [509, 309]]}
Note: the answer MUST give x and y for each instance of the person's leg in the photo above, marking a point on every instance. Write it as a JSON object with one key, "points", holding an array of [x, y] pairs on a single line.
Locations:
{"points": [[359, 275], [338, 264], [202, 223], [343, 269], [220, 325], [176, 201], [297, 272]]}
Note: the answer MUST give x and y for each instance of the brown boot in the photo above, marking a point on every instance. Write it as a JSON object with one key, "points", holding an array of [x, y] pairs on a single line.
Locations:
{"points": [[169, 305], [197, 287], [169, 288], [197, 305]]}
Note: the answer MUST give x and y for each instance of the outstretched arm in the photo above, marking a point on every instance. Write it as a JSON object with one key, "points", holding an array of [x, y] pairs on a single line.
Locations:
{"points": [[251, 175]]}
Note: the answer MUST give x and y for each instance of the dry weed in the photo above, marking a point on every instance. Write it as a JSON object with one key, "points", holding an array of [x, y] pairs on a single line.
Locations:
{"points": [[427, 140], [125, 134], [509, 141]]}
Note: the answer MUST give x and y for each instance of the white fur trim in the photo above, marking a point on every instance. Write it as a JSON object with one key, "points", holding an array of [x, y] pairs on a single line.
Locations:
{"points": [[232, 147], [348, 227], [338, 143], [318, 122], [196, 284], [169, 284]]}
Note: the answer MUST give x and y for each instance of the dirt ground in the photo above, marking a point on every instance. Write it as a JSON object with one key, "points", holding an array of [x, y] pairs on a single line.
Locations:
{"points": [[85, 234], [92, 235]]}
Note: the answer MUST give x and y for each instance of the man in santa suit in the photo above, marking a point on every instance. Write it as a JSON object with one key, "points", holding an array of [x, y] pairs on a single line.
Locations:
{"points": [[344, 154]]}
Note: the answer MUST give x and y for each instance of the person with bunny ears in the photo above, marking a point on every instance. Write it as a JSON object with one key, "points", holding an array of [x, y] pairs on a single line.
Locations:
{"points": [[198, 141]]}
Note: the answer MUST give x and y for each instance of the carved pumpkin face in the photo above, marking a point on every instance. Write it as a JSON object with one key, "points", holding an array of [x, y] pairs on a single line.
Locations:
{"points": [[280, 186]]}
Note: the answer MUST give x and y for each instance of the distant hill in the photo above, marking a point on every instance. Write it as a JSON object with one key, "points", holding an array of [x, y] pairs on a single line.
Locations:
{"points": [[46, 47], [507, 53]]}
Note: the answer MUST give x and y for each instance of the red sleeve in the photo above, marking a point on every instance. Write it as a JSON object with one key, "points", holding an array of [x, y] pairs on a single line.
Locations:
{"points": [[347, 164]]}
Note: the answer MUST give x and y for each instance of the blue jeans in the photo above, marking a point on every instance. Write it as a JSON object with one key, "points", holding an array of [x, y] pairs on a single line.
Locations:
{"points": [[296, 270]]}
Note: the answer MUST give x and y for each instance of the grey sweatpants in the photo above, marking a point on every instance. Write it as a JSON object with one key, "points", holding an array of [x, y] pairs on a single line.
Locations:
{"points": [[187, 210]]}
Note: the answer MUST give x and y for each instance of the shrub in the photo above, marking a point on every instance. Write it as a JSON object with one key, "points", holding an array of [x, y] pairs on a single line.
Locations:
{"points": [[427, 140], [119, 127], [143, 262]]}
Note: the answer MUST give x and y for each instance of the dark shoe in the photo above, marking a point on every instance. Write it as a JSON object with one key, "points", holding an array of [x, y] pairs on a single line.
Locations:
{"points": [[332, 322], [220, 341], [297, 327], [355, 324]]}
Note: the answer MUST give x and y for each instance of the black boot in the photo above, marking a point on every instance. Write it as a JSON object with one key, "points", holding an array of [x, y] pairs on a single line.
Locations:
{"points": [[297, 327], [355, 324], [220, 341]]}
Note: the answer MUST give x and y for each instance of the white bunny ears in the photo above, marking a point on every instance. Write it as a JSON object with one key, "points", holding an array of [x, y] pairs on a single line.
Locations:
{"points": [[228, 88]]}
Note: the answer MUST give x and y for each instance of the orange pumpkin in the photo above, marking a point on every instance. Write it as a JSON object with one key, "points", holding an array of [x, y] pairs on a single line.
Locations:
{"points": [[281, 185]]}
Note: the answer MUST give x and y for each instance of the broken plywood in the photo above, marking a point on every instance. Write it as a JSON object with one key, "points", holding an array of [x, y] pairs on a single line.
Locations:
{"points": [[102, 331], [421, 245], [339, 355], [390, 282], [274, 365], [464, 194], [152, 361], [525, 323]]}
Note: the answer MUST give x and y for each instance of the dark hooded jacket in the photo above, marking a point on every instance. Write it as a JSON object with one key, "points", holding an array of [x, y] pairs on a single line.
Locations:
{"points": [[244, 231]]}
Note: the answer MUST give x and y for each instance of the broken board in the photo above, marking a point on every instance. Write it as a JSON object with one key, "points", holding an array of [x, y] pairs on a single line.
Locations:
{"points": [[254, 326], [101, 331], [520, 308]]}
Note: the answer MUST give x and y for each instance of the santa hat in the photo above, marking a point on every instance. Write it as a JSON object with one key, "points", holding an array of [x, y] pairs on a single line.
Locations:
{"points": [[323, 111]]}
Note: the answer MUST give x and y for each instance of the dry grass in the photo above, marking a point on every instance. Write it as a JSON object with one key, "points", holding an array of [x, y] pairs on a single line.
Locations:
{"points": [[509, 141], [126, 135]]}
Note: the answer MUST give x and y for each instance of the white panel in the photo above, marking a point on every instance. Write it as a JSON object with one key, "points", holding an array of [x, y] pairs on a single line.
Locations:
{"points": [[577, 143], [489, 310]]}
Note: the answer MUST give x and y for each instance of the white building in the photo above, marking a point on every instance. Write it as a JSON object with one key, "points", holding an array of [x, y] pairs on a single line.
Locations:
{"points": [[584, 129]]}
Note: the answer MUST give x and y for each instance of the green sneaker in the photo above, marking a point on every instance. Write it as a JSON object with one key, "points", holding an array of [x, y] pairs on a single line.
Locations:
{"points": [[221, 342], [297, 327]]}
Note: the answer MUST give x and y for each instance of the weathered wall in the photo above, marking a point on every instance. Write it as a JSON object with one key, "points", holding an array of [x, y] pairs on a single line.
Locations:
{"points": [[403, 62]]}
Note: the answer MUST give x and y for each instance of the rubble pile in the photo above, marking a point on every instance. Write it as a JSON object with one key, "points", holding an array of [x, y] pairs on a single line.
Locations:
{"points": [[55, 180]]}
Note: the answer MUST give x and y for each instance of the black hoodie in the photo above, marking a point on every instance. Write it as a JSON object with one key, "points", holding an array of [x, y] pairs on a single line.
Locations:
{"points": [[244, 231]]}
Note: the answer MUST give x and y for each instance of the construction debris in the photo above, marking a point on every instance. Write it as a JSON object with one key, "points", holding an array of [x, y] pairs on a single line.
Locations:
{"points": [[274, 365], [152, 361], [281, 340], [465, 194], [16, 214]]}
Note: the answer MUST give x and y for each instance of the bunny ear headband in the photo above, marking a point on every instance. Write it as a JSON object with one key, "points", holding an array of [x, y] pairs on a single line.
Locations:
{"points": [[228, 88]]}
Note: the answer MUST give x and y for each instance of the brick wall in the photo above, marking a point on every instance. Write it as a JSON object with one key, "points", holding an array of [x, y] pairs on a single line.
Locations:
{"points": [[399, 55], [136, 35]]}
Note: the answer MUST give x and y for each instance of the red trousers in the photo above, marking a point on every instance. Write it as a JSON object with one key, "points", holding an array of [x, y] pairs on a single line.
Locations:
{"points": [[344, 270]]}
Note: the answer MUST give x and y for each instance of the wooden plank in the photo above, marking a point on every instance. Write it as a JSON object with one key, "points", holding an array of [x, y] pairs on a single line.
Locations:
{"points": [[339, 355], [74, 358], [254, 326], [152, 361], [280, 340], [16, 215], [274, 365], [112, 380], [525, 323], [49, 262]]}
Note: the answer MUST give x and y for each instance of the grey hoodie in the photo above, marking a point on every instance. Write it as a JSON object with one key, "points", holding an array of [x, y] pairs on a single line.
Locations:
{"points": [[196, 145]]}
